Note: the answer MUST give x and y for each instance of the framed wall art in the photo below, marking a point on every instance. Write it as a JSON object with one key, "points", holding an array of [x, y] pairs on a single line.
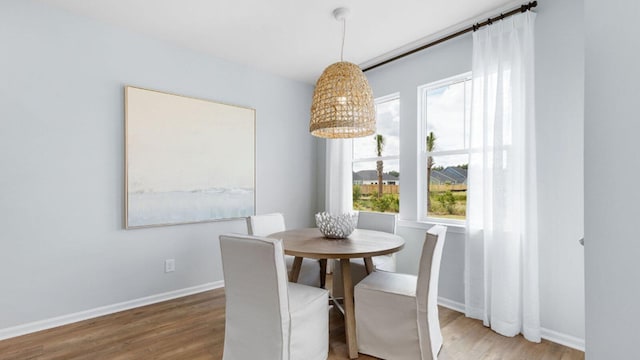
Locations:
{"points": [[187, 160]]}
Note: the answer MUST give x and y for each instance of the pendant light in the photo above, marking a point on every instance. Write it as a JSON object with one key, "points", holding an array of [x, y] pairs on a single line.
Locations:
{"points": [[342, 105]]}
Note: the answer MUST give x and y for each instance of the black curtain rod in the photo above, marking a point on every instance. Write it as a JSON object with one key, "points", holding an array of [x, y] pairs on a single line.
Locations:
{"points": [[474, 27]]}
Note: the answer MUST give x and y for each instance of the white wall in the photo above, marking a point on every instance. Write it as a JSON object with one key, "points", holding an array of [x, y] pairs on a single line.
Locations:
{"points": [[559, 107], [612, 249], [62, 245], [560, 115]]}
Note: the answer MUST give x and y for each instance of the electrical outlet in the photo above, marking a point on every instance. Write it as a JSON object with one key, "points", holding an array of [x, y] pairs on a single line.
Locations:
{"points": [[169, 265]]}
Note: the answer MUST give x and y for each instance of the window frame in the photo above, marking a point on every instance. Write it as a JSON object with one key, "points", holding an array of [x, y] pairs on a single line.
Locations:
{"points": [[423, 154], [377, 101]]}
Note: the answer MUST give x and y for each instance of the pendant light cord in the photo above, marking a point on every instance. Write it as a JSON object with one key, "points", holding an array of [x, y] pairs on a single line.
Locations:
{"points": [[344, 31]]}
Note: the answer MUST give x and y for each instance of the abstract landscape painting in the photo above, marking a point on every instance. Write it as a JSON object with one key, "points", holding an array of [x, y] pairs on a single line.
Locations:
{"points": [[187, 160]]}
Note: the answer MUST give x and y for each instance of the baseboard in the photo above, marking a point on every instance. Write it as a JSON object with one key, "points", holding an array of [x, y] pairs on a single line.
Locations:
{"points": [[450, 304], [553, 336], [104, 310], [562, 339]]}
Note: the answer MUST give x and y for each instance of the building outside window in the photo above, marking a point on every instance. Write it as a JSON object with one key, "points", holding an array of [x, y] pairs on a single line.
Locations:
{"points": [[376, 161], [444, 150]]}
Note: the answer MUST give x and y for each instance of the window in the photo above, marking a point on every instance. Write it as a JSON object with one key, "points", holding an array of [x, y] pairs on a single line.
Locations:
{"points": [[376, 161], [444, 150]]}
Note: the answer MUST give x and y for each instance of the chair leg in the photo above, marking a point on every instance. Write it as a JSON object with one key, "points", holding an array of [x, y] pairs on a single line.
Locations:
{"points": [[323, 272]]}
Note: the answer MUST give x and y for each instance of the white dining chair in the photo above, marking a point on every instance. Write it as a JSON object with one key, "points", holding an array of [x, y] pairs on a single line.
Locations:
{"points": [[266, 316], [397, 314], [263, 225], [385, 222]]}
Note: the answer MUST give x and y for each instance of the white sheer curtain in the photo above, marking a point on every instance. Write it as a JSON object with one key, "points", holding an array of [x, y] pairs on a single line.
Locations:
{"points": [[338, 193], [501, 260]]}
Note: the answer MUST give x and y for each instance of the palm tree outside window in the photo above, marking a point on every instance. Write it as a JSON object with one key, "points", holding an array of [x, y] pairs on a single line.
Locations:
{"points": [[376, 161]]}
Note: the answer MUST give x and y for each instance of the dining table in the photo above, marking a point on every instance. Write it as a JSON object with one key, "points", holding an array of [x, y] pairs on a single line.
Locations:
{"points": [[361, 243]]}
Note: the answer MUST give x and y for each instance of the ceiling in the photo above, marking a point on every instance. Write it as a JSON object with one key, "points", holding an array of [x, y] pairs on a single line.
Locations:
{"points": [[292, 38]]}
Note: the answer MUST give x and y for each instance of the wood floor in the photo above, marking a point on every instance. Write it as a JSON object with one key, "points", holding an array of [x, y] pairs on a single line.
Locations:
{"points": [[192, 327]]}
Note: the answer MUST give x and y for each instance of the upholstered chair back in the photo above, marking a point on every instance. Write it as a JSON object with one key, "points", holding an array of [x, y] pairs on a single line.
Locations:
{"points": [[427, 290], [267, 224], [257, 310], [385, 222], [263, 225]]}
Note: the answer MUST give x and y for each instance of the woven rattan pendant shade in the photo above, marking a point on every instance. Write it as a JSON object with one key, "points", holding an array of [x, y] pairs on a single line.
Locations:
{"points": [[342, 105]]}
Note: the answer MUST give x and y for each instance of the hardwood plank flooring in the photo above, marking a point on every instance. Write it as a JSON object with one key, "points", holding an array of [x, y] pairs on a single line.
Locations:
{"points": [[192, 327]]}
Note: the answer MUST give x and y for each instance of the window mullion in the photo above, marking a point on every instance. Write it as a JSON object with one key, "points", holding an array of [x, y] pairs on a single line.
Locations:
{"points": [[447, 152], [377, 158]]}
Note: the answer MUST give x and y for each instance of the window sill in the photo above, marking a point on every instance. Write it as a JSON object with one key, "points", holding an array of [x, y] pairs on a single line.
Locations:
{"points": [[425, 225]]}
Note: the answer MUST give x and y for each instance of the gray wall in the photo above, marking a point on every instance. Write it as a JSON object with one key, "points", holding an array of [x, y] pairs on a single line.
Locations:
{"points": [[62, 244], [559, 106], [560, 116], [611, 201]]}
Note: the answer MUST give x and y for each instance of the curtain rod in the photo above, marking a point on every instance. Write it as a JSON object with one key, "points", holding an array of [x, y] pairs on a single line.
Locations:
{"points": [[474, 27]]}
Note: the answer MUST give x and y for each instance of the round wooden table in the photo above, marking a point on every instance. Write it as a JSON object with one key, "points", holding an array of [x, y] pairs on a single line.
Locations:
{"points": [[310, 243]]}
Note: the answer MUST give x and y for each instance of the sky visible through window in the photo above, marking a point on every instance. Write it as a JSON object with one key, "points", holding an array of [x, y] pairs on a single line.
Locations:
{"points": [[449, 121]]}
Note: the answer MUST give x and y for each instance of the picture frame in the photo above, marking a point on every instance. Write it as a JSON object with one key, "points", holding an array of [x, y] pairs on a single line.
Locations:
{"points": [[187, 160]]}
